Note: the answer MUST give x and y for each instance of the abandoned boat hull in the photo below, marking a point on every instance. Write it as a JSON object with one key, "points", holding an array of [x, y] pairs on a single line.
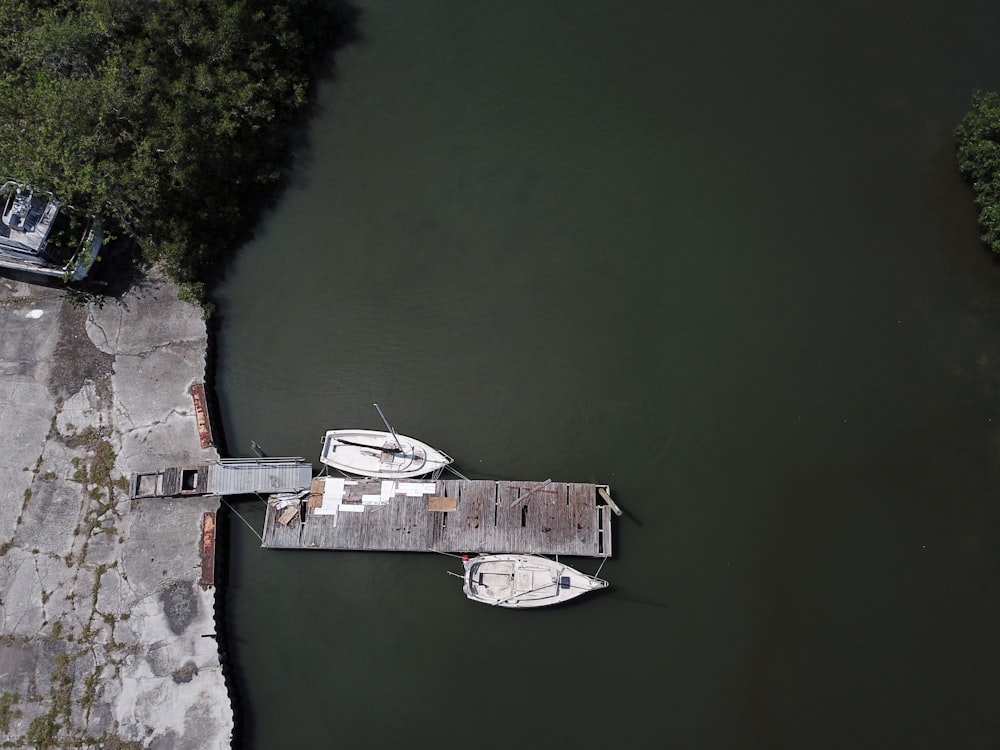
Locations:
{"points": [[373, 453], [524, 581], [28, 219]]}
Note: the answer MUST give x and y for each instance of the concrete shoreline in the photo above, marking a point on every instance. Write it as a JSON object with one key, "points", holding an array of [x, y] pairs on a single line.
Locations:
{"points": [[106, 638]]}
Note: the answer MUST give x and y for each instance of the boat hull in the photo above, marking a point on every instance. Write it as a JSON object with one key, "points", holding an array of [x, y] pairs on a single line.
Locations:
{"points": [[524, 581], [373, 453]]}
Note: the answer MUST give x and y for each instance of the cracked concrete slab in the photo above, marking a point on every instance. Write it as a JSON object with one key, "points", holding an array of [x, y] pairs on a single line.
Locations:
{"points": [[101, 616], [146, 321]]}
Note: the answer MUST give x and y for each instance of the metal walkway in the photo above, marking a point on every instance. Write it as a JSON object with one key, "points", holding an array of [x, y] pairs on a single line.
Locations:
{"points": [[227, 476]]}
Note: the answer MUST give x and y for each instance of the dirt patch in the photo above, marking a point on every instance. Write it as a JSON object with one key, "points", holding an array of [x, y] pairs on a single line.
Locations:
{"points": [[76, 360], [185, 673], [180, 605]]}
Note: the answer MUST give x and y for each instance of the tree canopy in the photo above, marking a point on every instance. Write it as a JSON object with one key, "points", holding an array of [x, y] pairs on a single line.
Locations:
{"points": [[168, 118], [978, 138]]}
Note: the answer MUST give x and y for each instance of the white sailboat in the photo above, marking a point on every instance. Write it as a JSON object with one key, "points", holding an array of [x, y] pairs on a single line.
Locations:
{"points": [[524, 581], [378, 454]]}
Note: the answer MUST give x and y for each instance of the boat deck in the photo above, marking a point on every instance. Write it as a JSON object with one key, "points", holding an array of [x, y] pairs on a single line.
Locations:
{"points": [[26, 222], [446, 515]]}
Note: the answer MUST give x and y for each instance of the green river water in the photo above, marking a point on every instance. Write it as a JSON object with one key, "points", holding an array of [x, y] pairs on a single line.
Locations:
{"points": [[714, 254]]}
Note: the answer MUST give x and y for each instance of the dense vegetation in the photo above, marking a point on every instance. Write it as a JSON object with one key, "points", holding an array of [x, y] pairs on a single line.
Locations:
{"points": [[979, 160], [170, 119]]}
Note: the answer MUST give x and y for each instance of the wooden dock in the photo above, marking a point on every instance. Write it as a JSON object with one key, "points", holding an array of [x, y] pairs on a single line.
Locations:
{"points": [[444, 515]]}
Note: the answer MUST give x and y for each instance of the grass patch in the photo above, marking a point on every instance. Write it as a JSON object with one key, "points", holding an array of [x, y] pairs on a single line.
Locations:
{"points": [[90, 689], [44, 730], [98, 572], [8, 710], [94, 472]]}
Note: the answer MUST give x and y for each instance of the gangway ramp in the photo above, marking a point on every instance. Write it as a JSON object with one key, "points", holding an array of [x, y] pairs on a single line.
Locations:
{"points": [[226, 476]]}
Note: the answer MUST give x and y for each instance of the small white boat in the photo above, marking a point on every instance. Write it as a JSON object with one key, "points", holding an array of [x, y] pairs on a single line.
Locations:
{"points": [[524, 581], [371, 453], [383, 455]]}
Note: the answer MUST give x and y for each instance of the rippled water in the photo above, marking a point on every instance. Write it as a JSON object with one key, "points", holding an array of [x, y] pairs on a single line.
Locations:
{"points": [[713, 254]]}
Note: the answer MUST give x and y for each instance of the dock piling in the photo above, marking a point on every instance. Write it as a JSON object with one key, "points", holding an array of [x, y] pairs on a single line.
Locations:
{"points": [[606, 496]]}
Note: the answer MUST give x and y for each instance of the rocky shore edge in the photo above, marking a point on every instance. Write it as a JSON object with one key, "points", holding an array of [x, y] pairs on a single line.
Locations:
{"points": [[107, 636]]}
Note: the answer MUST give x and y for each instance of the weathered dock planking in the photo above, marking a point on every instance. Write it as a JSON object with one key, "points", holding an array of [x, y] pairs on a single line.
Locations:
{"points": [[444, 515]]}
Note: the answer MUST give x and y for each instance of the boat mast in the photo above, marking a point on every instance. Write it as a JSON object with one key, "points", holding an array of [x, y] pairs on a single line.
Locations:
{"points": [[399, 445]]}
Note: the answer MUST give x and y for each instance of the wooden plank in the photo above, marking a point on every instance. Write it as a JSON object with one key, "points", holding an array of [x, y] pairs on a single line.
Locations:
{"points": [[201, 415], [584, 517], [171, 481], [207, 579], [442, 504], [267, 533], [605, 493], [510, 513], [315, 497]]}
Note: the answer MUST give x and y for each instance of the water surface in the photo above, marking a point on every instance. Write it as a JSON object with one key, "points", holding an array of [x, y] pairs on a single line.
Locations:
{"points": [[715, 255]]}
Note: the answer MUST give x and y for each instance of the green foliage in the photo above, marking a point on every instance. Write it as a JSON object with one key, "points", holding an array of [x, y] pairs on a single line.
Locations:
{"points": [[196, 292], [978, 137], [167, 118], [8, 710], [43, 730], [79, 298]]}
